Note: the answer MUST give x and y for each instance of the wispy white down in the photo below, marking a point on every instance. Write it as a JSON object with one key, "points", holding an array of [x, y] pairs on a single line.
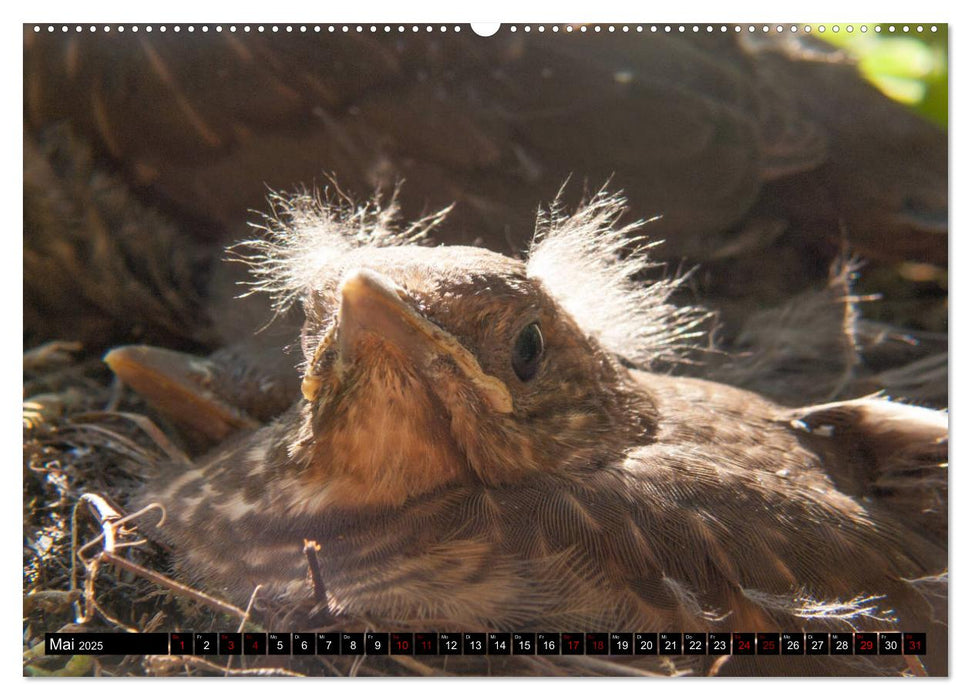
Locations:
{"points": [[589, 264], [803, 605], [305, 232], [587, 261]]}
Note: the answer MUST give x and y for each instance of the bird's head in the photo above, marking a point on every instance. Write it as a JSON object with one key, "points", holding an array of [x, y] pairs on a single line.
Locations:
{"points": [[425, 366]]}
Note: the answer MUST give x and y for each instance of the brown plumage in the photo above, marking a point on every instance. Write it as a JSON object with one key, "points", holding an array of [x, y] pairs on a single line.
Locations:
{"points": [[480, 444], [751, 147]]}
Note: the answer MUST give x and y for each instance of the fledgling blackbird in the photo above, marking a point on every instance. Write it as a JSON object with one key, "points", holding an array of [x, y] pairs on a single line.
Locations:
{"points": [[480, 445]]}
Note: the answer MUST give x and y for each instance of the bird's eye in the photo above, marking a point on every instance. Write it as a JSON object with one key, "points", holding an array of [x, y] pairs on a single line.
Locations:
{"points": [[527, 352]]}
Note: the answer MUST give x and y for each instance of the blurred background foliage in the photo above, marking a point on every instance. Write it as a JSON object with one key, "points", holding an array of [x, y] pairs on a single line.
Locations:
{"points": [[909, 67]]}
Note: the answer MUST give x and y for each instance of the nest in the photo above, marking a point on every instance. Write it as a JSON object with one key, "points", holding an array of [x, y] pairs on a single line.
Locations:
{"points": [[88, 443]]}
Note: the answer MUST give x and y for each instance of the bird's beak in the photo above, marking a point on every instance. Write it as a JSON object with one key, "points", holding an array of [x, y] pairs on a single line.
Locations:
{"points": [[181, 386], [371, 304]]}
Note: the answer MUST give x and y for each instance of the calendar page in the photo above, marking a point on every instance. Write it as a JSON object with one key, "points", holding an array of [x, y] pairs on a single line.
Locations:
{"points": [[448, 349]]}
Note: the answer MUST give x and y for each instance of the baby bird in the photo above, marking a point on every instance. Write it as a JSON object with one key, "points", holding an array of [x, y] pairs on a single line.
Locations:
{"points": [[479, 444]]}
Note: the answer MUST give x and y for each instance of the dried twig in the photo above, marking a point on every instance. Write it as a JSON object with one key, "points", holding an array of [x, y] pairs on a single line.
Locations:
{"points": [[249, 607], [147, 427], [201, 663], [592, 665], [356, 666], [242, 623], [310, 549], [55, 352], [417, 666], [717, 664], [106, 515], [111, 520], [915, 665], [174, 586]]}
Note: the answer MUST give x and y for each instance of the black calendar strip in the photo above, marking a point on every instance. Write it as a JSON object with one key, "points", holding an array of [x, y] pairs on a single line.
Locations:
{"points": [[488, 644]]}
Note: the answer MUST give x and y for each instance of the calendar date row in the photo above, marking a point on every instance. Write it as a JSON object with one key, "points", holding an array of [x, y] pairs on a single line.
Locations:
{"points": [[491, 643]]}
